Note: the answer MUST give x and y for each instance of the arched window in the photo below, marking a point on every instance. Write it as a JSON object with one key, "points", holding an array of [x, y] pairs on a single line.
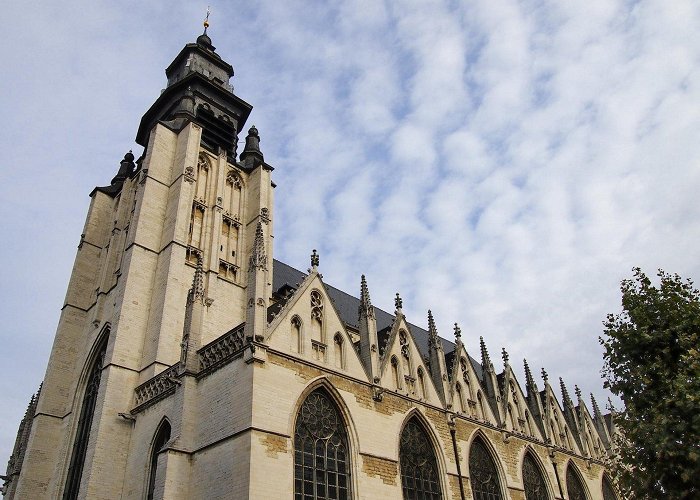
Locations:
{"points": [[483, 474], [297, 338], [419, 472], [321, 457], [421, 383], [162, 437], [533, 480], [77, 461], [574, 486], [482, 413], [608, 490]]}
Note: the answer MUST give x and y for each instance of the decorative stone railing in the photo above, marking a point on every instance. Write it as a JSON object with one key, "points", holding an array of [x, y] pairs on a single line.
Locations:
{"points": [[221, 351], [156, 388]]}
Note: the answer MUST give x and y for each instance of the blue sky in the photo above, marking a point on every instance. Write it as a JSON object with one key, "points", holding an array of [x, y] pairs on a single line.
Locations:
{"points": [[504, 163]]}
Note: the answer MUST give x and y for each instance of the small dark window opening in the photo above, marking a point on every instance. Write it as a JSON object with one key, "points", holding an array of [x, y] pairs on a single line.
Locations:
{"points": [[159, 442]]}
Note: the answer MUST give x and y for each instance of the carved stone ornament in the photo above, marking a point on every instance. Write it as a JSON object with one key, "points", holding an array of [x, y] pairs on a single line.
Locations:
{"points": [[234, 179], [189, 174]]}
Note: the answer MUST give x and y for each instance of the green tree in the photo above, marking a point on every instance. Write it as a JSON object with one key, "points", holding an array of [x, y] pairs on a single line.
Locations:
{"points": [[652, 362]]}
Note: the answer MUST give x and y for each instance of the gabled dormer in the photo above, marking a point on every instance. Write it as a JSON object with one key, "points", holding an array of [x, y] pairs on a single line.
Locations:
{"points": [[402, 368], [515, 407], [309, 327]]}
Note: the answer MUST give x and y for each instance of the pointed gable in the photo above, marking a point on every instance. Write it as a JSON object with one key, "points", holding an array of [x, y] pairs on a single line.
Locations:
{"points": [[309, 327], [402, 367]]}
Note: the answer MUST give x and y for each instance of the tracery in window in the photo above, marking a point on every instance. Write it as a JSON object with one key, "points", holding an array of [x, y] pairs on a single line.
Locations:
{"points": [[574, 486], [419, 472], [321, 458], [533, 480], [483, 474], [316, 316], [82, 436], [162, 437]]}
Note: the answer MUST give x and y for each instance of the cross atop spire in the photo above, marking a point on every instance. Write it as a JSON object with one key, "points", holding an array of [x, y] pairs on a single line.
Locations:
{"points": [[504, 355], [577, 391], [545, 377], [206, 20], [315, 261], [458, 332], [398, 302]]}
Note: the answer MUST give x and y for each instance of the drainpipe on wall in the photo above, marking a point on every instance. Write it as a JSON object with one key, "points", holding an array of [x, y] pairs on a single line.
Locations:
{"points": [[453, 432]]}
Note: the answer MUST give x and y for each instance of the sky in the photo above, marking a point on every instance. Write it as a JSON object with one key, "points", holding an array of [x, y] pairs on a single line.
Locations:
{"points": [[504, 163]]}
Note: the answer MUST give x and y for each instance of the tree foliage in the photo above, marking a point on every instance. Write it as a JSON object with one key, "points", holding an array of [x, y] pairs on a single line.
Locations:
{"points": [[652, 362]]}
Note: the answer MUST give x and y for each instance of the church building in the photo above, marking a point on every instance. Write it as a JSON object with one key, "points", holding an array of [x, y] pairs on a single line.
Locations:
{"points": [[188, 363]]}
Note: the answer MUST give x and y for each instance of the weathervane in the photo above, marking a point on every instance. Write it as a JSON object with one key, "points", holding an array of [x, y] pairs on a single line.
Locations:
{"points": [[206, 20]]}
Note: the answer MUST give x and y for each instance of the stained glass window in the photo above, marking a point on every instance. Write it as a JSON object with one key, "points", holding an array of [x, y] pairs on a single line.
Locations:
{"points": [[77, 461], [321, 461], [419, 472], [574, 486], [483, 474], [535, 486]]}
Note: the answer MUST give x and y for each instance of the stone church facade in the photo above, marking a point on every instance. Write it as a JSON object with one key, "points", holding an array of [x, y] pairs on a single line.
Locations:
{"points": [[189, 364]]}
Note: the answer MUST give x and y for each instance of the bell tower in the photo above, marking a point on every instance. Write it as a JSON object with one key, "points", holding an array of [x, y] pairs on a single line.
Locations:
{"points": [[187, 210]]}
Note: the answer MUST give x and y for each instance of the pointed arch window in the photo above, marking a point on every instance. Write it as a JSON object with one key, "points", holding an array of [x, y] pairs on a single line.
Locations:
{"points": [[321, 457], [419, 472], [483, 474], [533, 480], [608, 490], [162, 437], [421, 383], [574, 486], [82, 435], [297, 337]]}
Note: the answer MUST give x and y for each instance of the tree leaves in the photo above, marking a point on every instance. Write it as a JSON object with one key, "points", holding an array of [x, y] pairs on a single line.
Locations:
{"points": [[652, 362]]}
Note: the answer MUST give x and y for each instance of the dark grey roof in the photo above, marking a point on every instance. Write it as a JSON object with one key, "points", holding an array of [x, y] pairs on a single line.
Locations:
{"points": [[348, 306]]}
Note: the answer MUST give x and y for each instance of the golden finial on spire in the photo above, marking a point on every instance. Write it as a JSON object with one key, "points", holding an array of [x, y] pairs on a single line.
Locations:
{"points": [[206, 19]]}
